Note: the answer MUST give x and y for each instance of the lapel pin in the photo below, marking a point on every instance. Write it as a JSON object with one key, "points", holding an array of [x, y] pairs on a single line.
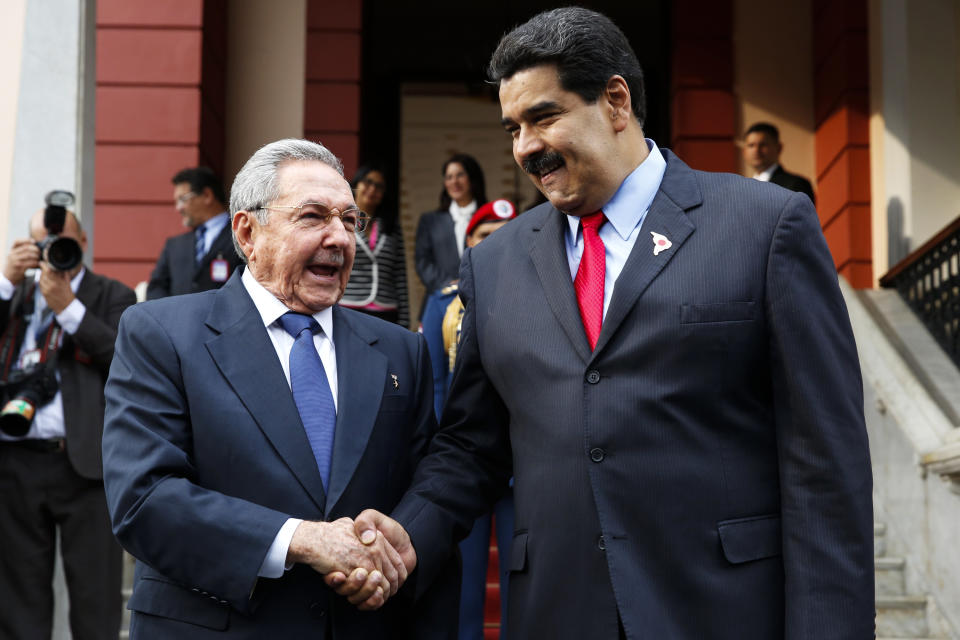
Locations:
{"points": [[660, 243], [396, 383]]}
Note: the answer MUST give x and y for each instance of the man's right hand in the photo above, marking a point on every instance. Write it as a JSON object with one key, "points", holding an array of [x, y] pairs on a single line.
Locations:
{"points": [[367, 574], [23, 255]]}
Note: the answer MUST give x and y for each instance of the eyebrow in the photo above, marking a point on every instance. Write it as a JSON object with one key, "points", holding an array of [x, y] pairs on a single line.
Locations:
{"points": [[529, 112]]}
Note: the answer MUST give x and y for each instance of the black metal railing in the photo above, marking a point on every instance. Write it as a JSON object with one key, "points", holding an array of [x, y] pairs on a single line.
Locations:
{"points": [[929, 281]]}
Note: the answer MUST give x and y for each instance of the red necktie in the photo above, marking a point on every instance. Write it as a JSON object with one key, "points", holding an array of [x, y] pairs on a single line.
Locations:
{"points": [[590, 276]]}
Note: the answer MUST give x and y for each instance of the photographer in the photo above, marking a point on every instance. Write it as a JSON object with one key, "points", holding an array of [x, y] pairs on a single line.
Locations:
{"points": [[58, 323]]}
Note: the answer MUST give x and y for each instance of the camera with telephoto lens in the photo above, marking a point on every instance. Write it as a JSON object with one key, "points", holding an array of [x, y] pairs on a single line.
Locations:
{"points": [[63, 254], [25, 391]]}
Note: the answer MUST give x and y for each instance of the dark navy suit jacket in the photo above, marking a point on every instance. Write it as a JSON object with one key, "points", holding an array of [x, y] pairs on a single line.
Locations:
{"points": [[704, 473], [177, 272], [205, 458]]}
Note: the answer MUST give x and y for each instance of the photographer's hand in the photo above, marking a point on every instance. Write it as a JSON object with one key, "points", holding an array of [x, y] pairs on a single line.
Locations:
{"points": [[23, 255], [55, 287]]}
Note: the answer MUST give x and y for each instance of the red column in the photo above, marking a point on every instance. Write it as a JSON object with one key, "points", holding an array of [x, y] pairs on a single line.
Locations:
{"points": [[703, 113], [332, 97], [155, 116], [841, 102]]}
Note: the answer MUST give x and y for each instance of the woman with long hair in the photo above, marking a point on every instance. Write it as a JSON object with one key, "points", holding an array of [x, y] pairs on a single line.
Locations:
{"points": [[441, 234], [378, 282]]}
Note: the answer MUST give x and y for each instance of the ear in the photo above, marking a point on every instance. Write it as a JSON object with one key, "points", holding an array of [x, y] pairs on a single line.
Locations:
{"points": [[245, 228], [207, 194], [617, 96], [83, 240]]}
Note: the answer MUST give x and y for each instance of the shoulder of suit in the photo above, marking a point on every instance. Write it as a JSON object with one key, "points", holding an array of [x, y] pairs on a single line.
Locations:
{"points": [[371, 327]]}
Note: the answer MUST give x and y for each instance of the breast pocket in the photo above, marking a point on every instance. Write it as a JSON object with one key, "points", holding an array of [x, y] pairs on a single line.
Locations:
{"points": [[719, 312]]}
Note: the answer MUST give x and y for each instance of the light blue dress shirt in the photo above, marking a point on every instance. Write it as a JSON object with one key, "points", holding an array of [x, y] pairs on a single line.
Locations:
{"points": [[212, 229], [625, 213]]}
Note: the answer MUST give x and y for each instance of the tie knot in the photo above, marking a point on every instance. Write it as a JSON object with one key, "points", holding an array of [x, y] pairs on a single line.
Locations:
{"points": [[294, 323], [593, 221]]}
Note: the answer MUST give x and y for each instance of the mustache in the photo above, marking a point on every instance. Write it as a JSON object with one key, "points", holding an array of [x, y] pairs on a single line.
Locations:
{"points": [[328, 257], [538, 163]]}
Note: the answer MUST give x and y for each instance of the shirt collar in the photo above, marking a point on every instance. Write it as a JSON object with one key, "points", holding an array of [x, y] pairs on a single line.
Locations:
{"points": [[765, 175], [270, 308], [215, 224], [635, 195], [465, 212]]}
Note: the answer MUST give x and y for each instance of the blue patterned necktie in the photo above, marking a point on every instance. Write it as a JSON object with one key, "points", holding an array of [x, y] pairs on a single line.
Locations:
{"points": [[311, 390], [199, 248]]}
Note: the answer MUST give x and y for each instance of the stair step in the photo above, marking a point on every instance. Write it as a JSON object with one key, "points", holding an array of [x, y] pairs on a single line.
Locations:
{"points": [[888, 573], [879, 539], [902, 616]]}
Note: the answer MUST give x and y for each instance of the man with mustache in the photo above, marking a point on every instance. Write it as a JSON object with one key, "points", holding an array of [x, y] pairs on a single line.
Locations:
{"points": [[662, 359], [244, 424]]}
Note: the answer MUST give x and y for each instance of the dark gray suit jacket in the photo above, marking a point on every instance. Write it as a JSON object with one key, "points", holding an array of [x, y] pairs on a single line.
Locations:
{"points": [[83, 363], [435, 254], [205, 458], [704, 473], [177, 273], [793, 182]]}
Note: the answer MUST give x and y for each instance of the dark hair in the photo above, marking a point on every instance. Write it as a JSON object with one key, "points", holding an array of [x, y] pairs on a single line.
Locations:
{"points": [[587, 48], [201, 178], [478, 187], [765, 128], [386, 211]]}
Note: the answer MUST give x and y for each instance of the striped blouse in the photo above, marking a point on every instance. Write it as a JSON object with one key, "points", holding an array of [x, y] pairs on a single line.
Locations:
{"points": [[379, 278]]}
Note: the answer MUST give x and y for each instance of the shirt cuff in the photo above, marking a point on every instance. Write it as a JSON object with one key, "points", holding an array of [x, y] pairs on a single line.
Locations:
{"points": [[6, 288], [71, 317], [275, 562]]}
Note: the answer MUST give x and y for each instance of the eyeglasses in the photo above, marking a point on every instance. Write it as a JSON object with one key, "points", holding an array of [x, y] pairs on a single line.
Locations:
{"points": [[373, 184], [184, 198], [352, 218]]}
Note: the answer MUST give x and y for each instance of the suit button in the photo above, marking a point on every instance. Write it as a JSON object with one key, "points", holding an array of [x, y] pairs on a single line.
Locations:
{"points": [[601, 544], [317, 610], [593, 376], [597, 454]]}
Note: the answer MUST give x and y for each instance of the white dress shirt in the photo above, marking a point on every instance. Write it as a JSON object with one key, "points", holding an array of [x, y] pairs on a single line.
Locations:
{"points": [[271, 309], [461, 220], [48, 420], [766, 174], [625, 213], [212, 229]]}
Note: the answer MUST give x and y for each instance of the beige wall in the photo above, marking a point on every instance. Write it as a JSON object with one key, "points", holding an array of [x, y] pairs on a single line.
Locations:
{"points": [[12, 13], [915, 123], [773, 75], [266, 67]]}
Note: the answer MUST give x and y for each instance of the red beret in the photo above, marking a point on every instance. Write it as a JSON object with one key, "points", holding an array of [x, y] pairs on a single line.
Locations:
{"points": [[496, 211]]}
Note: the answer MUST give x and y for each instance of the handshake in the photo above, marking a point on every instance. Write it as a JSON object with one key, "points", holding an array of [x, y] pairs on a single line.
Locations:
{"points": [[365, 560]]}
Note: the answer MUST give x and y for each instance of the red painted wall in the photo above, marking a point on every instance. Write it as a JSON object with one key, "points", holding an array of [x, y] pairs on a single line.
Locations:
{"points": [[842, 107], [703, 112], [160, 104], [332, 95]]}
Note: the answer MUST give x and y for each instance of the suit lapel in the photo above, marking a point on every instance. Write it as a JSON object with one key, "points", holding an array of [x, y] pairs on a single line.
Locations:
{"points": [[182, 260], [549, 255], [361, 371], [247, 359], [667, 216]]}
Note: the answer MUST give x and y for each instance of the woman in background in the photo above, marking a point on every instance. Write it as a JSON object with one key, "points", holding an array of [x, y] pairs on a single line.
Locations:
{"points": [[441, 234], [378, 282]]}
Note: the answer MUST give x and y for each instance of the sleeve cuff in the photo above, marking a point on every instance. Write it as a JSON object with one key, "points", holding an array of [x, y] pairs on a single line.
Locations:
{"points": [[6, 288], [70, 318], [275, 562]]}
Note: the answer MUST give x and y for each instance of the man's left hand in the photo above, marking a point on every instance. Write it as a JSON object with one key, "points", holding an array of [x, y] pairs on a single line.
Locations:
{"points": [[55, 287]]}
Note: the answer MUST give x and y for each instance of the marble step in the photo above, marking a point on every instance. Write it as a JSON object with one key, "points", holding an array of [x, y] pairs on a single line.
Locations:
{"points": [[879, 539], [902, 616], [888, 574]]}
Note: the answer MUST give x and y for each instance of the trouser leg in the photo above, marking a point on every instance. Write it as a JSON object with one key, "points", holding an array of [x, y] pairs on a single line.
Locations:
{"points": [[27, 545], [92, 558]]}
